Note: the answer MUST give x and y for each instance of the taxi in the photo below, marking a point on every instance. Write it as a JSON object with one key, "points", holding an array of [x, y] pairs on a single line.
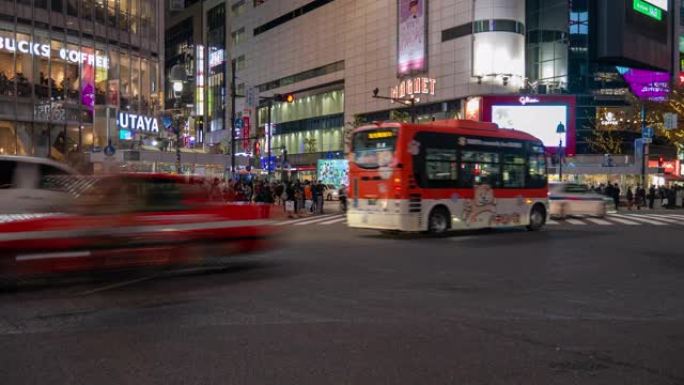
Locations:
{"points": [[130, 221]]}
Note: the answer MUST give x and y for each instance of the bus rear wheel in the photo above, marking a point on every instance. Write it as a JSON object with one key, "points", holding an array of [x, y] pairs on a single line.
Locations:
{"points": [[438, 221], [537, 218]]}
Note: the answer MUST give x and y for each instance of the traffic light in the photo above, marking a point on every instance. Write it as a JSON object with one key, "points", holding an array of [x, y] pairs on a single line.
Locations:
{"points": [[287, 98]]}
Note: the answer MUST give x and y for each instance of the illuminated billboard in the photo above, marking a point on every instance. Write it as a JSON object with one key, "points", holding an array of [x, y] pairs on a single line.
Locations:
{"points": [[540, 121], [647, 85], [537, 115], [411, 36], [334, 172]]}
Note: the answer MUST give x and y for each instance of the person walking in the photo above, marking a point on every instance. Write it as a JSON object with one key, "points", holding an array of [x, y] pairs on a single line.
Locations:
{"points": [[651, 196], [616, 196], [308, 197]]}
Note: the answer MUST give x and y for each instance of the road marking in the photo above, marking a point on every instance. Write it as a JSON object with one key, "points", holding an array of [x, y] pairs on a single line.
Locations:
{"points": [[663, 219], [638, 218], [552, 222], [117, 285], [575, 222], [317, 220], [599, 221], [679, 216], [336, 220], [303, 220], [622, 221]]}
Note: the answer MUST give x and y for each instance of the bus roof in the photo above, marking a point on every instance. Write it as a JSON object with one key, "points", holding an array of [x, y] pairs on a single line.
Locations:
{"points": [[463, 127]]}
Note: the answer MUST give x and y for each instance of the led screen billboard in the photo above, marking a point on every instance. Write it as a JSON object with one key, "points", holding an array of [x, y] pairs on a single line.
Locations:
{"points": [[537, 120], [333, 171], [411, 37]]}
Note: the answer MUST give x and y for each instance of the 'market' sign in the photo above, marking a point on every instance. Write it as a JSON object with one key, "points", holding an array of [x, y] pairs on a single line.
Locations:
{"points": [[126, 121]]}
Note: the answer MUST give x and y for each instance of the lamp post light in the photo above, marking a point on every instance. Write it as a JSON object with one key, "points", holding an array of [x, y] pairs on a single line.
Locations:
{"points": [[560, 130], [178, 76]]}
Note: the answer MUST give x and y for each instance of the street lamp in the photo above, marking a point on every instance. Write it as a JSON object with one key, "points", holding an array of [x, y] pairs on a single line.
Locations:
{"points": [[178, 76], [560, 130]]}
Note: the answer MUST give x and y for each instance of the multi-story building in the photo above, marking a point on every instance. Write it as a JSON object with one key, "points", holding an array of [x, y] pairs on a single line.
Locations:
{"points": [[333, 54], [68, 67]]}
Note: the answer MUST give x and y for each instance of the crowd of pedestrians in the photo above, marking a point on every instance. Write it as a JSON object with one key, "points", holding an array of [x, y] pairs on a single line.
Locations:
{"points": [[297, 198], [639, 197]]}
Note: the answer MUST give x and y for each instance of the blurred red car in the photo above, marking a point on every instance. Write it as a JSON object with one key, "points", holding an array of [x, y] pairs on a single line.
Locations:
{"points": [[133, 220]]}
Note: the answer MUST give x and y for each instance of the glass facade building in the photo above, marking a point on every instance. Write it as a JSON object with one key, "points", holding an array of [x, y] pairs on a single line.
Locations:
{"points": [[67, 67]]}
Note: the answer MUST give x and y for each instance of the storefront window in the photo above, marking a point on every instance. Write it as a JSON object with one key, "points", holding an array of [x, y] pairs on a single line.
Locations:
{"points": [[134, 14], [72, 7], [146, 90], [25, 139], [125, 79], [124, 15], [57, 71], [135, 83], [41, 136], [71, 77], [41, 70], [57, 141], [113, 88], [8, 140], [6, 68], [73, 138], [57, 6], [100, 11], [100, 80], [24, 69], [111, 13]]}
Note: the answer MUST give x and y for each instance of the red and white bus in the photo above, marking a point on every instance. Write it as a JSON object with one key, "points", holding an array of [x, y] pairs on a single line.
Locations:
{"points": [[446, 175]]}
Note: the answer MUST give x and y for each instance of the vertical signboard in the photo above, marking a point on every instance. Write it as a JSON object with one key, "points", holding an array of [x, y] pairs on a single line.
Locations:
{"points": [[245, 133], [88, 79], [411, 37], [199, 81]]}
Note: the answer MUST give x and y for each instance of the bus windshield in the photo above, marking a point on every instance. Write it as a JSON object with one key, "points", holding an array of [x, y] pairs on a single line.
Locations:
{"points": [[375, 148]]}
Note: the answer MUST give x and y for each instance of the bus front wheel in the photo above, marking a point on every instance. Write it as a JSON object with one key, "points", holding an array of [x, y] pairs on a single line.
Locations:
{"points": [[438, 221], [537, 218]]}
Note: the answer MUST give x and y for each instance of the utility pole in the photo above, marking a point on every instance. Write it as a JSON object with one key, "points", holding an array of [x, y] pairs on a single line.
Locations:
{"points": [[270, 134], [644, 147], [233, 96]]}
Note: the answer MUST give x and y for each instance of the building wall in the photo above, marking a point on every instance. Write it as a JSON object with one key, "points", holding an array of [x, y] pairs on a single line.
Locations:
{"points": [[363, 34], [86, 60]]}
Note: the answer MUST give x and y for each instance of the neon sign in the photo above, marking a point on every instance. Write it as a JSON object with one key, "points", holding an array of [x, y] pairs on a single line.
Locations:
{"points": [[44, 50], [126, 121]]}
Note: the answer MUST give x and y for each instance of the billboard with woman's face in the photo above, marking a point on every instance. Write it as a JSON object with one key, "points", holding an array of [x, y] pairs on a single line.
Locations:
{"points": [[411, 37]]}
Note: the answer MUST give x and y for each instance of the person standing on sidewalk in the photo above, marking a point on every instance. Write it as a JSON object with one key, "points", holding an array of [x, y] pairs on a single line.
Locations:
{"points": [[308, 197], [651, 196], [630, 199], [640, 197], [320, 200], [616, 196]]}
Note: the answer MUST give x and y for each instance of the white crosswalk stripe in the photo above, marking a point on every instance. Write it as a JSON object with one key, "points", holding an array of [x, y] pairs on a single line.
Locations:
{"points": [[317, 220], [612, 219], [336, 220], [598, 221], [294, 221], [665, 219], [639, 218], [622, 221]]}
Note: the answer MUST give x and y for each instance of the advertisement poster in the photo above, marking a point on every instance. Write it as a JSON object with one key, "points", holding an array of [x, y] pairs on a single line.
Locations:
{"points": [[245, 133], [411, 37], [334, 172], [88, 80]]}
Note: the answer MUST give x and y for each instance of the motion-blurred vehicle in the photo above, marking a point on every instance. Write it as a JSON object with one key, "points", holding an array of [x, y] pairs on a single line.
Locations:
{"points": [[566, 199], [331, 192], [131, 221], [27, 185]]}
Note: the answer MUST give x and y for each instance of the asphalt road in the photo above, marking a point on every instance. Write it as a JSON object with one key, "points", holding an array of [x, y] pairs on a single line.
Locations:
{"points": [[583, 304]]}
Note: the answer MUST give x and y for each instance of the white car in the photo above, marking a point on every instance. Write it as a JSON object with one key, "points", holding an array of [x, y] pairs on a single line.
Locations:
{"points": [[31, 185], [331, 193], [575, 199]]}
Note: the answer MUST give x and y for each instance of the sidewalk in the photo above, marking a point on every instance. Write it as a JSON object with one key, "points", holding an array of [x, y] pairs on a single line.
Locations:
{"points": [[329, 208]]}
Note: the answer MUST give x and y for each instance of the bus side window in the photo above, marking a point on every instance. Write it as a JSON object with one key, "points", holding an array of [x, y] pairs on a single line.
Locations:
{"points": [[480, 168], [536, 171]]}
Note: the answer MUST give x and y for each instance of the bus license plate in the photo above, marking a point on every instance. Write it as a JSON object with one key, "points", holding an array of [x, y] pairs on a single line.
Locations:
{"points": [[372, 202]]}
